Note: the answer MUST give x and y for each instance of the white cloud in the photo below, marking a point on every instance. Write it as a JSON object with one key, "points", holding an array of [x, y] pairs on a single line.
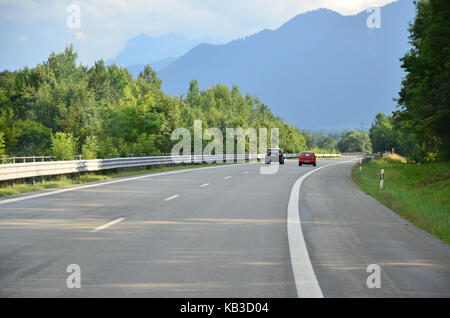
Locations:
{"points": [[107, 24]]}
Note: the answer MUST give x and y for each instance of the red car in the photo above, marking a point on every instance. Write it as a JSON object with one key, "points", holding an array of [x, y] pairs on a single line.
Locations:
{"points": [[307, 157]]}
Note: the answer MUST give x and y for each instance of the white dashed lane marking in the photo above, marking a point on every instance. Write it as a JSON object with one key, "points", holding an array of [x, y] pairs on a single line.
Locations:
{"points": [[106, 225], [171, 198]]}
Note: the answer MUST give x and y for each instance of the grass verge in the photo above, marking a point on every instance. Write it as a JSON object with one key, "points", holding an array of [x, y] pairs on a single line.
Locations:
{"points": [[62, 181], [420, 193]]}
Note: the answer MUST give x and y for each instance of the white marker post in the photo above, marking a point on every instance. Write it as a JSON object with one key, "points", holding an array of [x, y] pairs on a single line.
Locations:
{"points": [[381, 178], [360, 165]]}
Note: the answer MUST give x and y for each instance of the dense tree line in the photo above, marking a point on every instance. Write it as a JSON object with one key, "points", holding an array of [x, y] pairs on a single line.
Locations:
{"points": [[420, 129], [62, 108], [424, 97], [355, 141], [385, 137]]}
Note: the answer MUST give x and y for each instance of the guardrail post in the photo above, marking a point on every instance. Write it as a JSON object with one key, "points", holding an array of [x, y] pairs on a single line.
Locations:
{"points": [[381, 178]]}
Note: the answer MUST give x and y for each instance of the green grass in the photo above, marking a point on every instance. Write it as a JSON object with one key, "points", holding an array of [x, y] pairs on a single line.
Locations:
{"points": [[420, 193], [62, 181]]}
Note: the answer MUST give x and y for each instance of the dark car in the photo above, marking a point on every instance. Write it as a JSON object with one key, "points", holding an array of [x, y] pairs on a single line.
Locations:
{"points": [[307, 157], [274, 155]]}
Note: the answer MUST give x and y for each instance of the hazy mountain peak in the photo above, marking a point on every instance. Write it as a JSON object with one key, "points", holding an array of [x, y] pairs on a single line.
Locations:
{"points": [[319, 70], [145, 49]]}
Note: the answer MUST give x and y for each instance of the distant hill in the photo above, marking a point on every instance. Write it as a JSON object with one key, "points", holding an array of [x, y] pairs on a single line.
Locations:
{"points": [[320, 70], [135, 69], [158, 52]]}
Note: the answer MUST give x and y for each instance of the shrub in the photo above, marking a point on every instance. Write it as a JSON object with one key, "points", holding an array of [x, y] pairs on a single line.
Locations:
{"points": [[107, 149], [90, 148], [63, 146], [2, 144]]}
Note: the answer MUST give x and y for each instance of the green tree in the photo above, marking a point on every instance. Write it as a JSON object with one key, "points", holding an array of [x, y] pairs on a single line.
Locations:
{"points": [[366, 145], [385, 136], [149, 76], [382, 134], [64, 65], [90, 148], [63, 146], [2, 143], [354, 141], [107, 149], [30, 138], [424, 97], [73, 102], [326, 142], [310, 141]]}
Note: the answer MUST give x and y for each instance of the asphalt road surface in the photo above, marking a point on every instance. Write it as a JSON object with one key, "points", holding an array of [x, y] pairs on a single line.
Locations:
{"points": [[217, 232]]}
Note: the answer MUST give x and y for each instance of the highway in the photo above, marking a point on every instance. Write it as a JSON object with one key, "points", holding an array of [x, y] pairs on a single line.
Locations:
{"points": [[217, 232]]}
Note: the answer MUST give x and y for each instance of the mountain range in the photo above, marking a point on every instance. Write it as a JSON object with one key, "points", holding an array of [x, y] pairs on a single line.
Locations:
{"points": [[319, 71], [157, 51]]}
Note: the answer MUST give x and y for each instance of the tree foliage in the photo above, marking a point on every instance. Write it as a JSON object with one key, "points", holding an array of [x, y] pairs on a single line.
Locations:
{"points": [[2, 144], [385, 137], [90, 148], [355, 141], [424, 97], [63, 146], [63, 108]]}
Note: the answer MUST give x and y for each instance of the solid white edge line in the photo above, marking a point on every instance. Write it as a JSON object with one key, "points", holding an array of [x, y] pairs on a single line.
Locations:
{"points": [[106, 225], [171, 198], [33, 196], [306, 281]]}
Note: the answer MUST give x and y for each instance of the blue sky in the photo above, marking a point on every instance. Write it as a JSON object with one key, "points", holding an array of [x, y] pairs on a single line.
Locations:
{"points": [[31, 29]]}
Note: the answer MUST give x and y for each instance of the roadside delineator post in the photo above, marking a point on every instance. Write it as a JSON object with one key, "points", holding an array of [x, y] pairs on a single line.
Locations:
{"points": [[360, 165], [381, 178]]}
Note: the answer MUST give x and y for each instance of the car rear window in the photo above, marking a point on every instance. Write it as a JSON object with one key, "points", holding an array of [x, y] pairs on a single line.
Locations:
{"points": [[270, 150], [307, 154]]}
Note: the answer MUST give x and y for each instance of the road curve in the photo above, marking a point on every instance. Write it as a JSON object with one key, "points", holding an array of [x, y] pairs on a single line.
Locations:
{"points": [[347, 230], [218, 232]]}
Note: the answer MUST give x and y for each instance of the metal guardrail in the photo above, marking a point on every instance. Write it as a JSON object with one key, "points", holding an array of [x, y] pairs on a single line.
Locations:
{"points": [[18, 159], [51, 168], [15, 159], [328, 155], [25, 170]]}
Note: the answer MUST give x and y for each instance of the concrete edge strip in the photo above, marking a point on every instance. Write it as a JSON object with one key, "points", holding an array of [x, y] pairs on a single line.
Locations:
{"points": [[75, 188], [306, 281]]}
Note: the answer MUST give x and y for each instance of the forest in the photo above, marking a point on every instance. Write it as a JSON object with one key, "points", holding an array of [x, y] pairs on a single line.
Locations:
{"points": [[420, 127], [63, 109]]}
